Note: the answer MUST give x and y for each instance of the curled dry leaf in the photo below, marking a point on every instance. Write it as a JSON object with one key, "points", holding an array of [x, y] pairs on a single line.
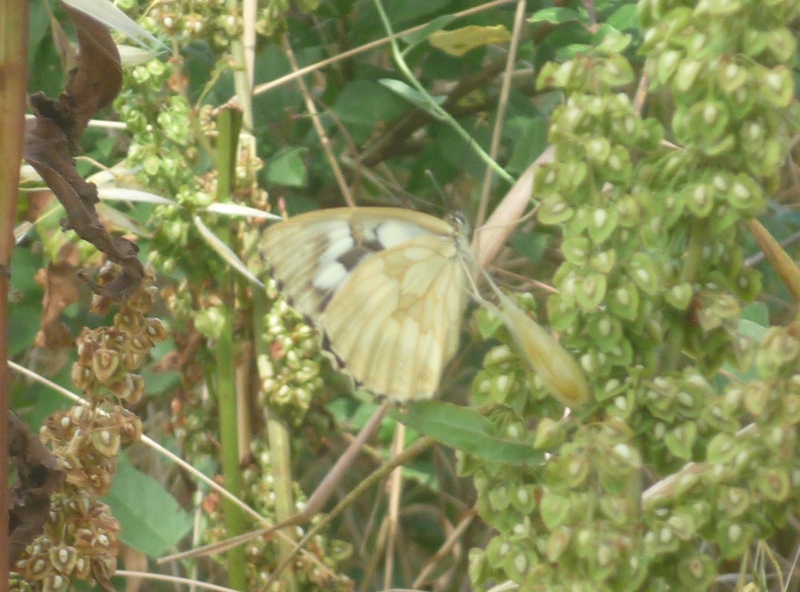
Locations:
{"points": [[53, 137]]}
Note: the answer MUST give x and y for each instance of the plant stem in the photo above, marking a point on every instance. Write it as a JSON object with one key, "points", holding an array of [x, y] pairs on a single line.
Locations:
{"points": [[14, 74], [228, 428], [280, 458]]}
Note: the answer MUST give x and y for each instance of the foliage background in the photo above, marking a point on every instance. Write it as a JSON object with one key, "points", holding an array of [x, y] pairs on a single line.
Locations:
{"points": [[668, 400]]}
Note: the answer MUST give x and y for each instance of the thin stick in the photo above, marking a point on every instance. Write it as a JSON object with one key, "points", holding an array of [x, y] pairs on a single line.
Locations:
{"points": [[445, 549], [323, 136], [147, 441], [395, 487], [502, 103]]}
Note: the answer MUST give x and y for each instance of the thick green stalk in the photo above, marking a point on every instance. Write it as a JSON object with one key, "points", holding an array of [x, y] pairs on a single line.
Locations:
{"points": [[229, 123], [14, 76], [228, 428]]}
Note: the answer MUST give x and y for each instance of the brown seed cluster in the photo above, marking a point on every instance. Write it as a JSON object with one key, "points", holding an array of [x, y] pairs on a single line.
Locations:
{"points": [[80, 539]]}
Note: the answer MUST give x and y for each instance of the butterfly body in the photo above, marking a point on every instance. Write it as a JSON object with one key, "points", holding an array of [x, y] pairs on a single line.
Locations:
{"points": [[387, 288]]}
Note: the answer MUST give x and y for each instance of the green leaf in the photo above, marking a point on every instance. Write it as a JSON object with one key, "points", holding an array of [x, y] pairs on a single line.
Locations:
{"points": [[531, 143], [367, 102], [412, 95], [624, 18], [402, 13], [151, 519], [416, 37], [530, 245], [758, 314], [225, 252], [459, 41], [465, 430], [288, 168], [556, 16], [23, 325]]}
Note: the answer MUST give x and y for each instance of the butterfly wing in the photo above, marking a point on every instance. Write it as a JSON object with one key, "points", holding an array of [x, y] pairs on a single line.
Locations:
{"points": [[312, 254], [386, 286], [395, 323]]}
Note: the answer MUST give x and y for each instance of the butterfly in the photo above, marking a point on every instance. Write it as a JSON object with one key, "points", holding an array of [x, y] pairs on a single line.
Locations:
{"points": [[386, 287]]}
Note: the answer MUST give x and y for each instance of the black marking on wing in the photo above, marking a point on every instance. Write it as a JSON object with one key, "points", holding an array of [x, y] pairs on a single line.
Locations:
{"points": [[349, 260], [354, 256]]}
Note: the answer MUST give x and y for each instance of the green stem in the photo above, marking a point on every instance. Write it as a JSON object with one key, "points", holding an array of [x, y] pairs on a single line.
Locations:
{"points": [[14, 74], [698, 238], [241, 79], [228, 122], [279, 441], [228, 427], [435, 108]]}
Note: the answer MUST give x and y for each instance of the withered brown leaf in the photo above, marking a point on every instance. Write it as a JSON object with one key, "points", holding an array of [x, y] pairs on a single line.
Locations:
{"points": [[53, 137]]}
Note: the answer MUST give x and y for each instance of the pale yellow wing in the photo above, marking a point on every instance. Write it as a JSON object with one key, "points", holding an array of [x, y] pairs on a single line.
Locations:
{"points": [[395, 323], [386, 287], [313, 254]]}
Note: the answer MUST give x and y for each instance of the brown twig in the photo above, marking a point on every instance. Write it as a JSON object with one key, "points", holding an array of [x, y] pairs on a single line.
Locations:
{"points": [[14, 74]]}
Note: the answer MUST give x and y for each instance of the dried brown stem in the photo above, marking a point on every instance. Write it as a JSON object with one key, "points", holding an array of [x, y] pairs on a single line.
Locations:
{"points": [[13, 83]]}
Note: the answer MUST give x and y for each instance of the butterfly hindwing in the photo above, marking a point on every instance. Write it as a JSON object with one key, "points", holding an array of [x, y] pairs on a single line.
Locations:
{"points": [[386, 287], [394, 335]]}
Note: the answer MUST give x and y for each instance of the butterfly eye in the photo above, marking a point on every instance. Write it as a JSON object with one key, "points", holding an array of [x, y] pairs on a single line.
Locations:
{"points": [[459, 221]]}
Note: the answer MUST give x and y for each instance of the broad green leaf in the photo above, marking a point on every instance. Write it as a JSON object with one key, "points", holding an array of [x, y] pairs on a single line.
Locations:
{"points": [[624, 18], [288, 169], [460, 41], [23, 325], [758, 313], [530, 144], [402, 14], [151, 520], [530, 245], [367, 102], [465, 430], [571, 51]]}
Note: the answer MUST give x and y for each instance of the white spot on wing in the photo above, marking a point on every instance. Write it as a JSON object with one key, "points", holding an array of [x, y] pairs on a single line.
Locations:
{"points": [[394, 232], [340, 241], [329, 276]]}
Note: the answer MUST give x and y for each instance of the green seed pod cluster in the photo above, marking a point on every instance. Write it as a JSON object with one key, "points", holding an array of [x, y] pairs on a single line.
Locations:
{"points": [[290, 370], [729, 67], [607, 300], [651, 293], [213, 21], [571, 524], [505, 382]]}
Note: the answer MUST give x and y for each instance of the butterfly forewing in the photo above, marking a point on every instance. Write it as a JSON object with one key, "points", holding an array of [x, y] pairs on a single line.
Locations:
{"points": [[386, 286]]}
